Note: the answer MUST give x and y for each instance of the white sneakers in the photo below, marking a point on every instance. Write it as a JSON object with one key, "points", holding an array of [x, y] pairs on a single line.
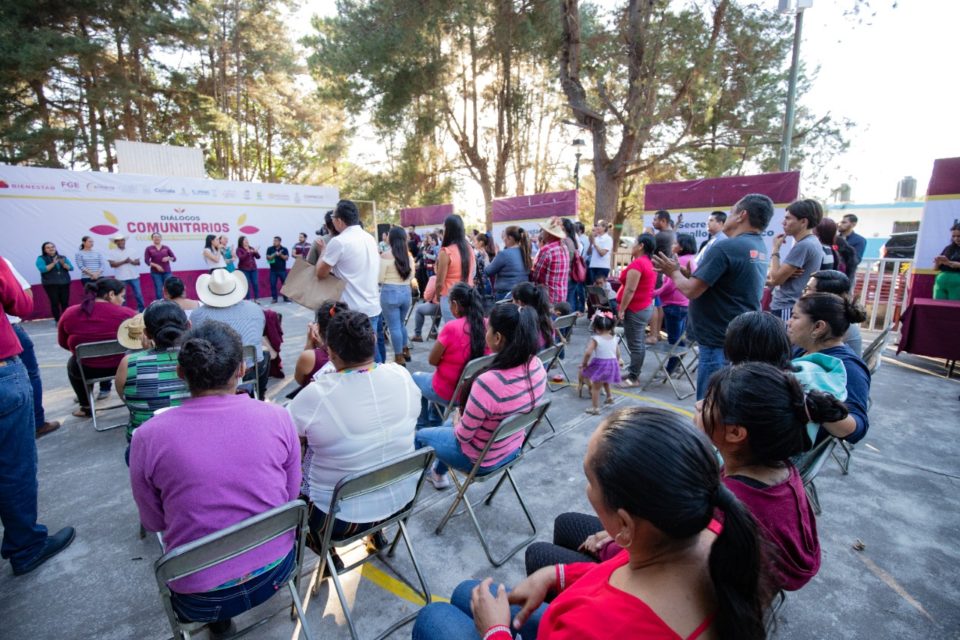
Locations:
{"points": [[439, 481]]}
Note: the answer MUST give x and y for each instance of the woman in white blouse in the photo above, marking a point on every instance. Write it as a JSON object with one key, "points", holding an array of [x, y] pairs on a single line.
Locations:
{"points": [[351, 419]]}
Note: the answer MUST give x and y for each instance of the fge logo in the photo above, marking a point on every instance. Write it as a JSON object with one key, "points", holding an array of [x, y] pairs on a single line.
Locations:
{"points": [[70, 185]]}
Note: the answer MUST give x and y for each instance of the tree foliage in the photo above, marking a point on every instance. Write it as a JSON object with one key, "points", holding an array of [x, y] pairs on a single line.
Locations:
{"points": [[218, 74]]}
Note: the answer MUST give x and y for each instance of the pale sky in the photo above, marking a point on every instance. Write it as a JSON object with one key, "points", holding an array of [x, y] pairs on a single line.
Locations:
{"points": [[893, 74]]}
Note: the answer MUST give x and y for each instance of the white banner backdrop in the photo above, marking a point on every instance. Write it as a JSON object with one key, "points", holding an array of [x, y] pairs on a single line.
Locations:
{"points": [[695, 223], [61, 206]]}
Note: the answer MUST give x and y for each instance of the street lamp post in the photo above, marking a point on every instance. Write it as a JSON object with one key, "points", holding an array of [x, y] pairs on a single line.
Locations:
{"points": [[785, 7], [578, 143]]}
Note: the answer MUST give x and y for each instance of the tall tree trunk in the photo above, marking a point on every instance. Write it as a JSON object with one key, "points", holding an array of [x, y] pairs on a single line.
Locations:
{"points": [[49, 144]]}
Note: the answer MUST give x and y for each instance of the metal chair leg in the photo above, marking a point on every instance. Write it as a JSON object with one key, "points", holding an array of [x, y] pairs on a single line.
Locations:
{"points": [[813, 497]]}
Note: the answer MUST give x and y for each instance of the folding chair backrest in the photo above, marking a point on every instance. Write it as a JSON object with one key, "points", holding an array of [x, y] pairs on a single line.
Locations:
{"points": [[565, 322], [548, 354], [597, 296], [514, 424], [229, 543], [391, 472], [471, 370], [98, 350], [809, 464], [874, 351], [250, 353]]}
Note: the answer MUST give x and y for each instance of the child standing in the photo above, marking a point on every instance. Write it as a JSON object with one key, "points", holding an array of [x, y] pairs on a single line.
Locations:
{"points": [[603, 368]]}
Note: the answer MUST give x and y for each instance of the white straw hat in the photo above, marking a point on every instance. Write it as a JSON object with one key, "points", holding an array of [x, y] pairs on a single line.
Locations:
{"points": [[221, 288]]}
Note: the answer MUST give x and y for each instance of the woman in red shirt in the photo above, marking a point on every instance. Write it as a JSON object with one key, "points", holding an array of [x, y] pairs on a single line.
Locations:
{"points": [[654, 482], [96, 318], [635, 304]]}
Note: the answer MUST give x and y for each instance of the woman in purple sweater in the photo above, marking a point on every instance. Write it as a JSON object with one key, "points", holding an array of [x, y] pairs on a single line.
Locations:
{"points": [[194, 473]]}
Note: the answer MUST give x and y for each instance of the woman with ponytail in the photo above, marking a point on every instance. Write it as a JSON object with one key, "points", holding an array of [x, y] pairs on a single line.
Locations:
{"points": [[818, 324], [147, 378], [514, 383], [217, 459], [96, 318], [396, 275], [534, 296], [756, 415], [512, 265], [455, 263], [460, 341], [655, 485]]}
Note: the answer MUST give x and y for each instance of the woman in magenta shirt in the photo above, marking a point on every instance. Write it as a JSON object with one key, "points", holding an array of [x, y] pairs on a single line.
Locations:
{"points": [[158, 257], [460, 341], [247, 263], [635, 304]]}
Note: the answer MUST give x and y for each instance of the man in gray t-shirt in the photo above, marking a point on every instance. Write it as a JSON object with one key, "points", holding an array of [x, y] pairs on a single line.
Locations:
{"points": [[790, 275]]}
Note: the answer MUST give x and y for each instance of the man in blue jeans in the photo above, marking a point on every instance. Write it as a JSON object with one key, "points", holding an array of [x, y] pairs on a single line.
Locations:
{"points": [[25, 542], [728, 282]]}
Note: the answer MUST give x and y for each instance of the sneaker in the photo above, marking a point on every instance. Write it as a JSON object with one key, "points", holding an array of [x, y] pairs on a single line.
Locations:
{"points": [[47, 427], [416, 339], [54, 545], [103, 394], [376, 543], [557, 378], [439, 481]]}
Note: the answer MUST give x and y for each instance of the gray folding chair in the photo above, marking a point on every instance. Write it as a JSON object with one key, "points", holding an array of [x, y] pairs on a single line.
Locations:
{"points": [[355, 486], [872, 355], [470, 371], [809, 465], [523, 422], [250, 353], [548, 356], [227, 544], [564, 326], [663, 351], [98, 350]]}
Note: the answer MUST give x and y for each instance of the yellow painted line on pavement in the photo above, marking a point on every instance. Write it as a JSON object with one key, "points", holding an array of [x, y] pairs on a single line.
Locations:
{"points": [[635, 396], [394, 586], [891, 582]]}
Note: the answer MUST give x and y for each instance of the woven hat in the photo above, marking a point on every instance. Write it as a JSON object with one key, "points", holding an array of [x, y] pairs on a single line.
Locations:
{"points": [[554, 227], [130, 332], [221, 288]]}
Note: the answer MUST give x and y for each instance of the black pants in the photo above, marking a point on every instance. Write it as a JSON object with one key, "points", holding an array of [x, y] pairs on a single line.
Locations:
{"points": [[73, 373], [59, 295], [569, 532]]}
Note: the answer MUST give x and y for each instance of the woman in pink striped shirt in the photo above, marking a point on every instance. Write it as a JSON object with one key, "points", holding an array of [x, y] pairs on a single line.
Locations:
{"points": [[514, 383]]}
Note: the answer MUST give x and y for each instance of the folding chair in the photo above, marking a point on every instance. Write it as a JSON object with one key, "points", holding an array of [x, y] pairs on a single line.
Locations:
{"points": [[664, 351], [252, 387], [356, 485], [98, 350], [872, 355], [227, 544], [809, 465], [472, 369], [526, 422], [564, 326], [548, 356], [597, 298]]}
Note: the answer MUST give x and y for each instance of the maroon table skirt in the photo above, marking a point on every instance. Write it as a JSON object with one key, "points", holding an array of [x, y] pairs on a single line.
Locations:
{"points": [[931, 328]]}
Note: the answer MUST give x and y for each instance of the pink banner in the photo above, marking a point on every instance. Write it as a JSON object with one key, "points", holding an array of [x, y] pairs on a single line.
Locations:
{"points": [[540, 205], [425, 216], [721, 193]]}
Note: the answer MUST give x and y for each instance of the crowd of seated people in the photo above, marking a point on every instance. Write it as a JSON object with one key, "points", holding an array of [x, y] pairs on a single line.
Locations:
{"points": [[652, 477]]}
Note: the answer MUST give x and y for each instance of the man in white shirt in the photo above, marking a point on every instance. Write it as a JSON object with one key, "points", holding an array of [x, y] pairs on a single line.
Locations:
{"points": [[352, 256], [600, 245], [125, 267], [715, 228]]}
